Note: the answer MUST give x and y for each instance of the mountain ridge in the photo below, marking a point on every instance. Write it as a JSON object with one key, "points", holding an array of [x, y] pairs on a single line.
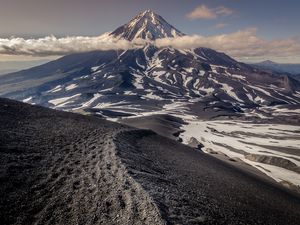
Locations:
{"points": [[292, 68]]}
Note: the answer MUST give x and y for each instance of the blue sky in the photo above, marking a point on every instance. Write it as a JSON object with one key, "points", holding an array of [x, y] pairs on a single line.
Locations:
{"points": [[273, 20]]}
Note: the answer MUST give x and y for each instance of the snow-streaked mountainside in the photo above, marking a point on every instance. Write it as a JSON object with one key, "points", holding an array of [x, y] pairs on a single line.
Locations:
{"points": [[150, 78], [146, 25]]}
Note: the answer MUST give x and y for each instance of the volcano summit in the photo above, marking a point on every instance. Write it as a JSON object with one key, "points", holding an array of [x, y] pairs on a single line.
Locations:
{"points": [[146, 25]]}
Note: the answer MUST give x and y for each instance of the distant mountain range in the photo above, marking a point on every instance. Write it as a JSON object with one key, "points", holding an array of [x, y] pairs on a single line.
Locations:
{"points": [[150, 79], [14, 66], [293, 69]]}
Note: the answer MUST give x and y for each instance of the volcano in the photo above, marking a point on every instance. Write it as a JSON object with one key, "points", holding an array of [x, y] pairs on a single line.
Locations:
{"points": [[151, 79]]}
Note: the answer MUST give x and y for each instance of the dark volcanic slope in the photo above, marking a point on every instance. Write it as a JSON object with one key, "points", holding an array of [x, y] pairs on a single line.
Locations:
{"points": [[192, 187], [63, 168], [162, 124]]}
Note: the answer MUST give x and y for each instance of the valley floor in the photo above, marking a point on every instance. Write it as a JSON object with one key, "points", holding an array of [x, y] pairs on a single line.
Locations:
{"points": [[274, 149], [64, 168]]}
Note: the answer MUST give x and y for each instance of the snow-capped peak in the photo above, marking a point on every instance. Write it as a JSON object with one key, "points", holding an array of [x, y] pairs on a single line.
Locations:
{"points": [[146, 25]]}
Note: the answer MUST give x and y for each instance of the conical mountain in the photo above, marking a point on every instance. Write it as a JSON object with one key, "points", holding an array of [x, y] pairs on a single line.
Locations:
{"points": [[150, 79], [146, 25]]}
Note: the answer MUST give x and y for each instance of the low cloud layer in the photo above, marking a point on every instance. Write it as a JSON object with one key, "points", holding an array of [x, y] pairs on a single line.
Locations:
{"points": [[240, 44], [51, 45], [204, 12]]}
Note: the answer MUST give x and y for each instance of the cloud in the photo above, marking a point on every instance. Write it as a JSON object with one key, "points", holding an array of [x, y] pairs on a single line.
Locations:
{"points": [[241, 44], [204, 12], [221, 25], [223, 11], [51, 46], [244, 43]]}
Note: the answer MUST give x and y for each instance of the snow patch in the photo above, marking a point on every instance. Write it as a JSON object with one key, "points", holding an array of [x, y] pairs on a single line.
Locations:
{"points": [[55, 89], [71, 87], [62, 101]]}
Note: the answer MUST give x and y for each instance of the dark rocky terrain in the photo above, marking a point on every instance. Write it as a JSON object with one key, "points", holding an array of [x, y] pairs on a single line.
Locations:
{"points": [[165, 125], [63, 168]]}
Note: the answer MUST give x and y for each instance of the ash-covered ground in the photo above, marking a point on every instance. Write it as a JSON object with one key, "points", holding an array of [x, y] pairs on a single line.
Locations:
{"points": [[64, 168]]}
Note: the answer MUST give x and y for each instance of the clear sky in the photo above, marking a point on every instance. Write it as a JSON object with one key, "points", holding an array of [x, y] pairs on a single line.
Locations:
{"points": [[273, 19]]}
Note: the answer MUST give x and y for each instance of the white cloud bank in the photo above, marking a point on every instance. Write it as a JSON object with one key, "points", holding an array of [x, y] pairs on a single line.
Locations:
{"points": [[240, 44], [243, 43], [51, 45]]}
